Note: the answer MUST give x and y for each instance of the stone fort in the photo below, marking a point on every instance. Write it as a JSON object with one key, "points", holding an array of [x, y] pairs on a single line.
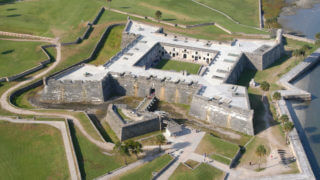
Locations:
{"points": [[211, 92]]}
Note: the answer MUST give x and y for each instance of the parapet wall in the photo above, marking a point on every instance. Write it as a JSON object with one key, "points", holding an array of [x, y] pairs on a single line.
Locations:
{"points": [[222, 115], [125, 131], [261, 61], [73, 91], [173, 92]]}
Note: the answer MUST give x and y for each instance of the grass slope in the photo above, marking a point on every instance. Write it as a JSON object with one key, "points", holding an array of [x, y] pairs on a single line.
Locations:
{"points": [[47, 17], [144, 172], [179, 11], [210, 144], [203, 172], [16, 57], [31, 152], [178, 66], [245, 11], [111, 46]]}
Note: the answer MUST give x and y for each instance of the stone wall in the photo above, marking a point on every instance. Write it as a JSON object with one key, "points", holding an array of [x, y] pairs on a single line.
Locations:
{"points": [[261, 61], [173, 92], [73, 91], [236, 70], [125, 130], [222, 115]]}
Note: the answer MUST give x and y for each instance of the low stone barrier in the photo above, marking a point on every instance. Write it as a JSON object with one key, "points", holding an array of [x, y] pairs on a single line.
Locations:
{"points": [[298, 38], [165, 168], [286, 80], [28, 36], [32, 70]]}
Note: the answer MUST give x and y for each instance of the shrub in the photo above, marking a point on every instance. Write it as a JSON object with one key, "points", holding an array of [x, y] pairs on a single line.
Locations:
{"points": [[276, 96], [265, 86]]}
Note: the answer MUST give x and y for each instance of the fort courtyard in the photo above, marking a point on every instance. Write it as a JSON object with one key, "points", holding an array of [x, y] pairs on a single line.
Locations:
{"points": [[183, 89]]}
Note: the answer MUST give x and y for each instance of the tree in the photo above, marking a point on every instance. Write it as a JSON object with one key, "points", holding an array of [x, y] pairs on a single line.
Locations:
{"points": [[287, 127], [160, 139], [109, 2], [265, 86], [158, 14], [122, 150], [284, 118], [305, 47], [276, 96], [261, 151], [134, 147], [317, 36]]}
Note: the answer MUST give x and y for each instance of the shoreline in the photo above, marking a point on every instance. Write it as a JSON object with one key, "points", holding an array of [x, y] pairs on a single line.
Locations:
{"points": [[297, 137], [293, 7]]}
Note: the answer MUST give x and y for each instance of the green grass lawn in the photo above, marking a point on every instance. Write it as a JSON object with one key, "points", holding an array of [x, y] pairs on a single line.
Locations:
{"points": [[191, 163], [111, 46], [179, 11], [245, 11], [144, 172], [166, 64], [220, 159], [92, 162], [16, 57], [203, 172], [87, 125], [57, 18], [29, 151], [210, 144]]}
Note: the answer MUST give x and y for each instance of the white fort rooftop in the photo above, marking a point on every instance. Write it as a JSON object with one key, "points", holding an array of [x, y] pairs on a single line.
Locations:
{"points": [[228, 55]]}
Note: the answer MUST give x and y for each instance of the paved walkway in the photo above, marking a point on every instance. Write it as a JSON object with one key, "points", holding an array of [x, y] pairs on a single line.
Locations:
{"points": [[184, 146], [124, 169], [71, 157]]}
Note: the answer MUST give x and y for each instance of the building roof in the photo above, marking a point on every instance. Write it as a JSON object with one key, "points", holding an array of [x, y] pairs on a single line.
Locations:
{"points": [[148, 37]]}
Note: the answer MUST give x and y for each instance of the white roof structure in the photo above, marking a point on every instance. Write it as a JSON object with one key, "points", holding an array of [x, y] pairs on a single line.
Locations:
{"points": [[212, 79]]}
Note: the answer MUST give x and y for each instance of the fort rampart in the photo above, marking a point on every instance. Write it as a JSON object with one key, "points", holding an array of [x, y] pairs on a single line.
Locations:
{"points": [[222, 115], [125, 130]]}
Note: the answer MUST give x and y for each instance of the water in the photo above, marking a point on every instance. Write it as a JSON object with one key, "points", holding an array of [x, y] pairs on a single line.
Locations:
{"points": [[304, 21], [307, 115]]}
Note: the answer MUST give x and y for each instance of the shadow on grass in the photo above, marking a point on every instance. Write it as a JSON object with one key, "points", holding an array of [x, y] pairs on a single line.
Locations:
{"points": [[8, 51], [4, 2], [101, 130], [14, 15], [11, 9], [169, 19], [77, 149], [125, 7]]}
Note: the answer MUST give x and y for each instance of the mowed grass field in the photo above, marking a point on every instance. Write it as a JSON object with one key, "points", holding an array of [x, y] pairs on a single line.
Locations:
{"points": [[172, 65], [244, 11], [203, 172], [111, 46], [189, 12], [30, 151], [210, 144], [48, 17], [144, 172], [16, 57]]}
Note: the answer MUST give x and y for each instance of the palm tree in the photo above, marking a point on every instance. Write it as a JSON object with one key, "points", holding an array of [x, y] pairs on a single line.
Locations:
{"points": [[160, 139], [137, 149], [158, 14], [284, 118], [261, 151], [134, 147], [109, 2], [276, 96], [317, 36], [287, 127], [265, 86], [122, 150]]}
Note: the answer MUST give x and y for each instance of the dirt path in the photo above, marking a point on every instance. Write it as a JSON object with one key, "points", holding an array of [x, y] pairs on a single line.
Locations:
{"points": [[6, 105], [61, 126]]}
